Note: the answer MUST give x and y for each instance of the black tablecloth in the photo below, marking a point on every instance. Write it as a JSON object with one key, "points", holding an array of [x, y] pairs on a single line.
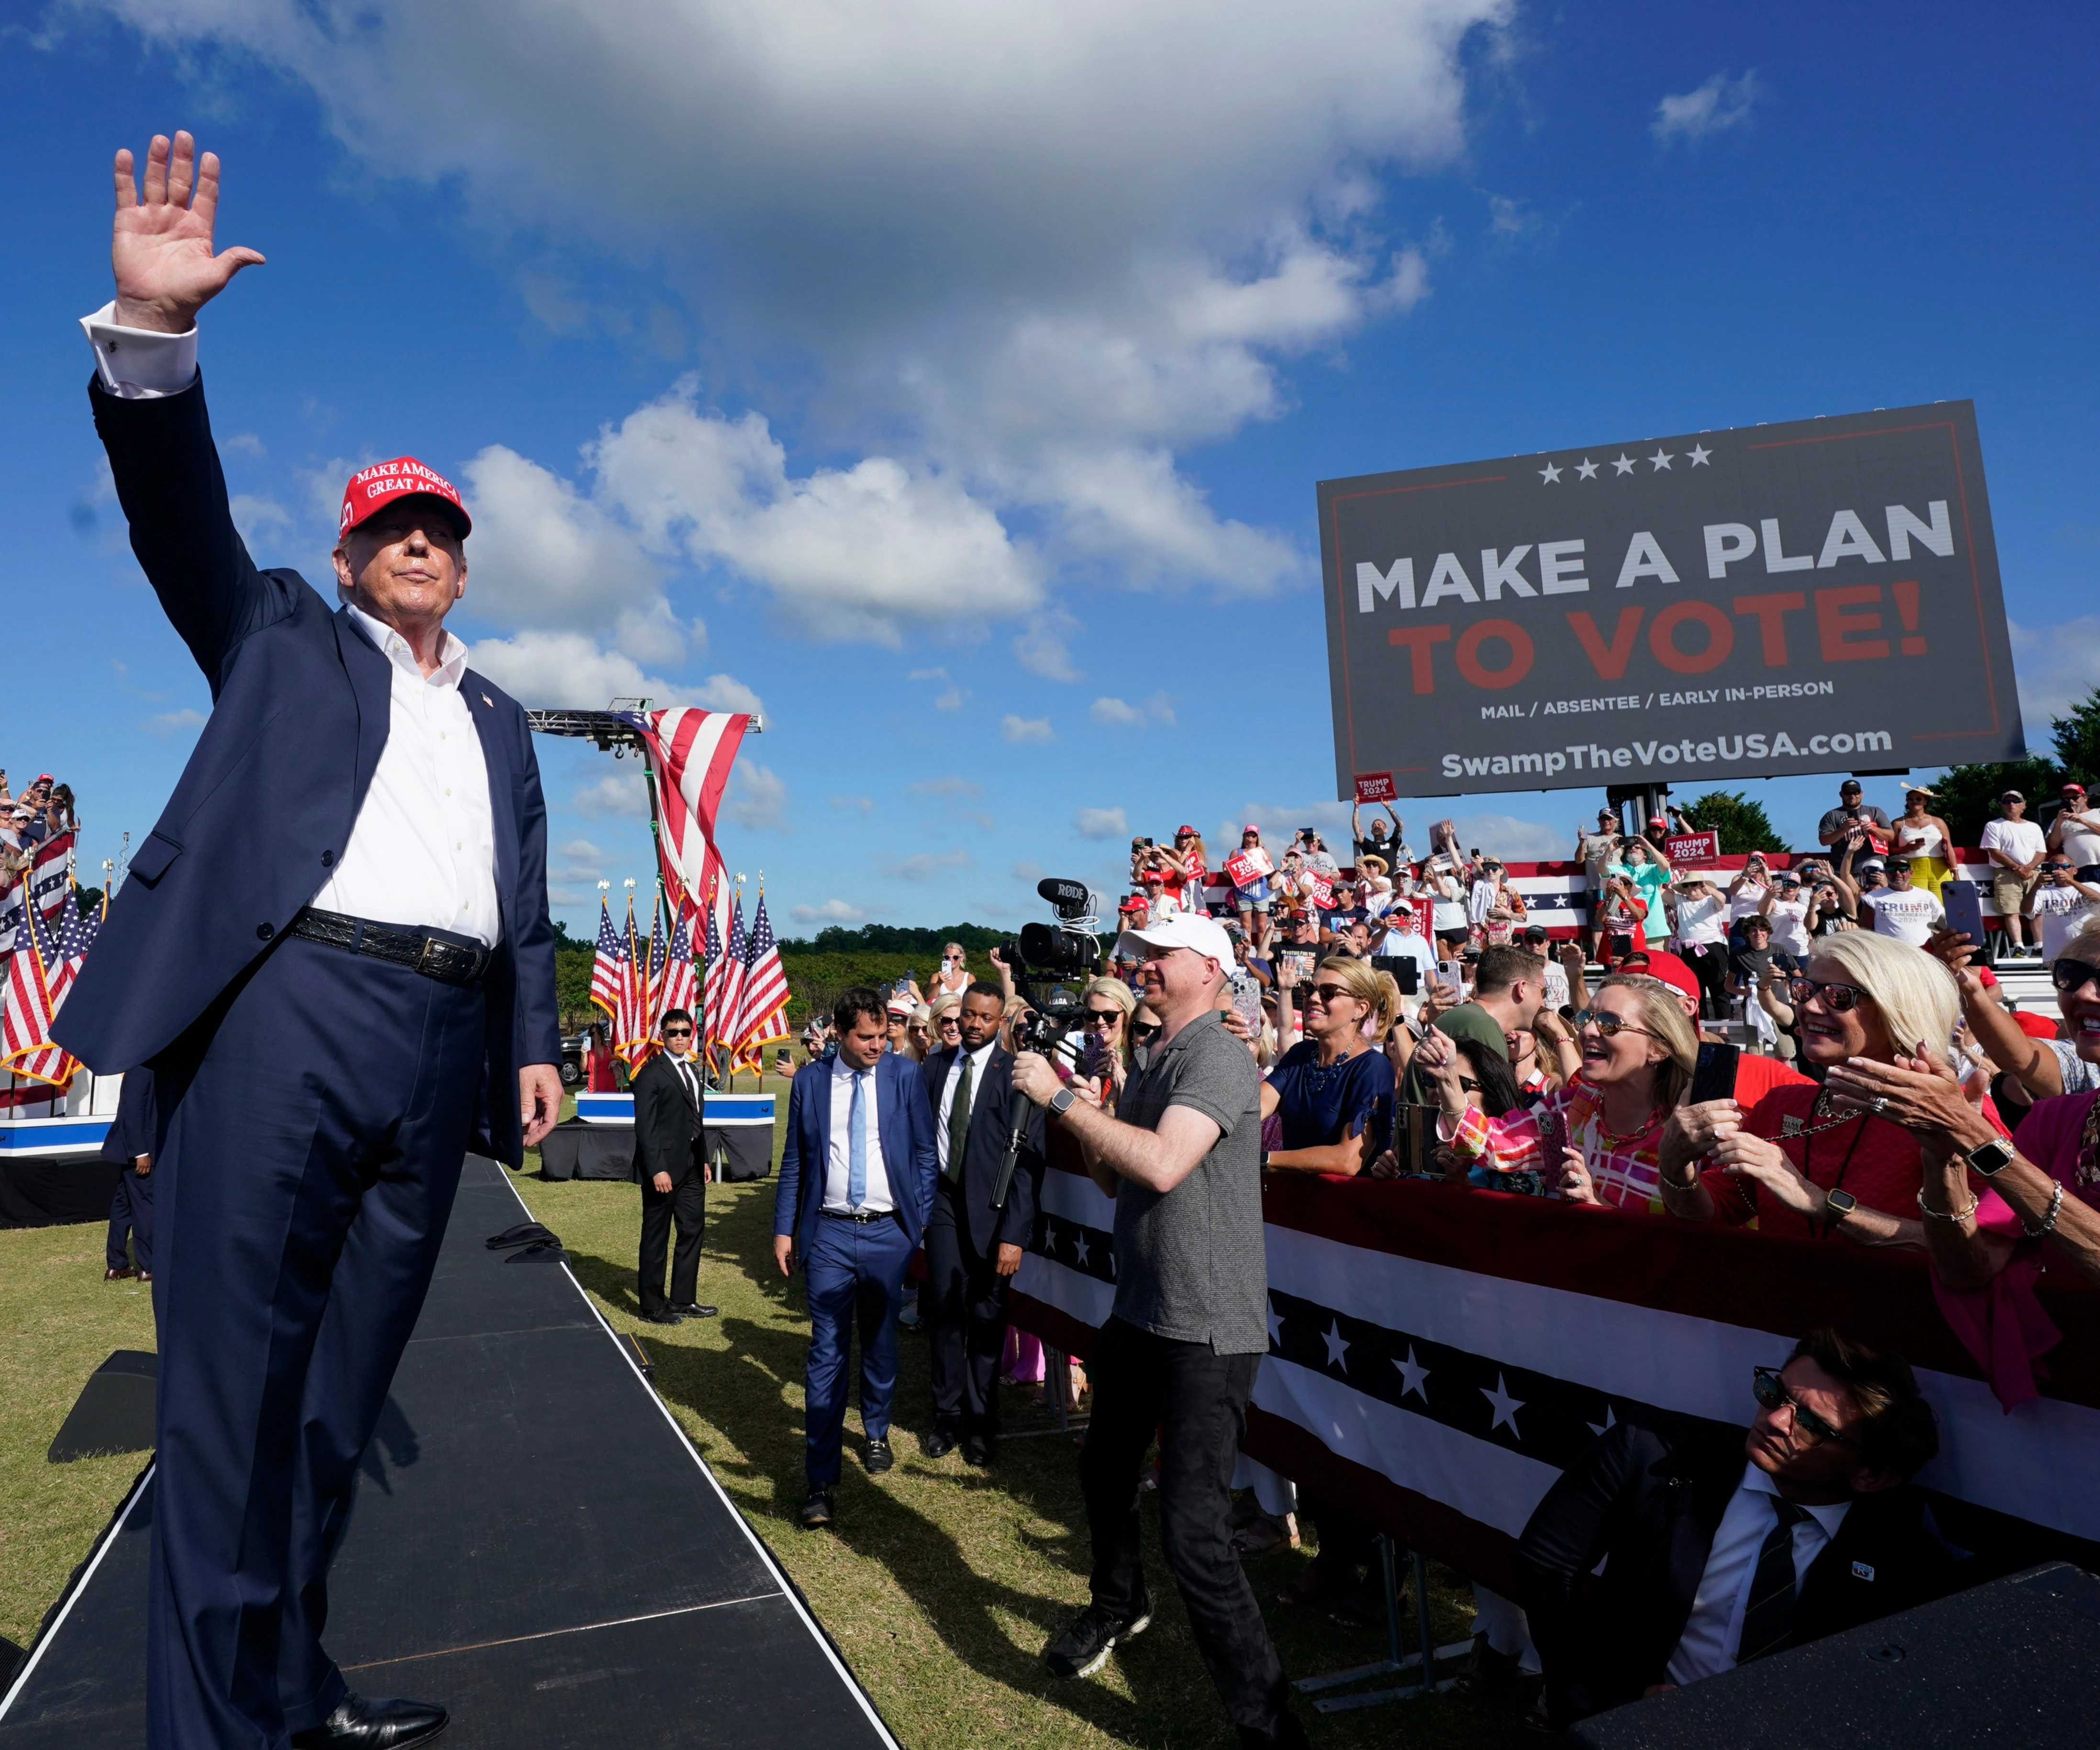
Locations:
{"points": [[41, 1190], [578, 1149]]}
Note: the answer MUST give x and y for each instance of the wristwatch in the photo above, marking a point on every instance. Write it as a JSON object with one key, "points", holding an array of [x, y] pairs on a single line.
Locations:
{"points": [[1987, 1159], [1840, 1204], [1062, 1102]]}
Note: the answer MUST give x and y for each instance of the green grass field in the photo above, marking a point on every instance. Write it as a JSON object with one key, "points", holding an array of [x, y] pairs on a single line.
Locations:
{"points": [[942, 1584]]}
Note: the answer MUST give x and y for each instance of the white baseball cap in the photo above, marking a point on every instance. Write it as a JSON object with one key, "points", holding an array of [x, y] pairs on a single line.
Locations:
{"points": [[1183, 929]]}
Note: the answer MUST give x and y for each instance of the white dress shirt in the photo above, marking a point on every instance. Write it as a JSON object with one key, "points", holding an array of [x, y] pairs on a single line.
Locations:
{"points": [[1715, 1627], [978, 1060], [422, 851], [683, 1068], [838, 1164]]}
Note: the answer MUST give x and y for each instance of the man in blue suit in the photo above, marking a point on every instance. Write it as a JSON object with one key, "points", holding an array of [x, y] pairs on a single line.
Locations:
{"points": [[857, 1174], [333, 952]]}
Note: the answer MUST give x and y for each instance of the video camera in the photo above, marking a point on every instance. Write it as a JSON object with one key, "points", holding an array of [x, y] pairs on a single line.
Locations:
{"points": [[1065, 950]]}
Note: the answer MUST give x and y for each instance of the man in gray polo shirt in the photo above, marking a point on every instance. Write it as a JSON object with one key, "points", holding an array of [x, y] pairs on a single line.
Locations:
{"points": [[1182, 1158]]}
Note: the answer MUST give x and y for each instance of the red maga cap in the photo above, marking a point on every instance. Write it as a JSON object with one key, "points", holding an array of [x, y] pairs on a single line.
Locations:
{"points": [[371, 489]]}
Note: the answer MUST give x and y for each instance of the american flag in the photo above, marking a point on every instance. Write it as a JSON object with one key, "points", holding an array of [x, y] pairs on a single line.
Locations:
{"points": [[679, 982], [48, 882], [725, 1001], [608, 974], [38, 975], [717, 973], [764, 1005], [631, 1022], [691, 752]]}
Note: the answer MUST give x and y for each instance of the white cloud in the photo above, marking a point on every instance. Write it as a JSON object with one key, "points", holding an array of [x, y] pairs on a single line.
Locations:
{"points": [[1026, 256], [950, 700], [950, 787], [1098, 823], [925, 866], [1714, 107], [574, 869], [2057, 667], [1044, 645], [617, 796], [1331, 819], [1030, 873], [856, 804], [831, 911], [722, 692], [263, 521], [1520, 841], [542, 555], [757, 797], [1120, 714], [550, 670], [180, 722], [1025, 728]]}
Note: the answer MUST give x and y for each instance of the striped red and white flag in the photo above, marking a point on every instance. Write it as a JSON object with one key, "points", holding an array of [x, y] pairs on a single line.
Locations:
{"points": [[679, 975], [726, 995], [631, 1019], [608, 977], [37, 976], [765, 1007], [48, 883]]}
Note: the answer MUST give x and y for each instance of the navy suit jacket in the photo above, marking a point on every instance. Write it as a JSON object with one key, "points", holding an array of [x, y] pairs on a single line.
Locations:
{"points": [[984, 1153], [300, 700], [907, 1148]]}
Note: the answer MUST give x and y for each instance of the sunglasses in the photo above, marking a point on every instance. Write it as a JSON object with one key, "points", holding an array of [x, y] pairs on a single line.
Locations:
{"points": [[1332, 993], [1607, 1026], [953, 960], [1103, 1017], [2068, 976], [1469, 1085], [1840, 1000], [677, 1033], [1144, 1030], [1770, 1390]]}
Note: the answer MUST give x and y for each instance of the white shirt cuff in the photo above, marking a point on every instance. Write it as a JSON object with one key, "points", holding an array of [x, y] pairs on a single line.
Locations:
{"points": [[139, 364]]}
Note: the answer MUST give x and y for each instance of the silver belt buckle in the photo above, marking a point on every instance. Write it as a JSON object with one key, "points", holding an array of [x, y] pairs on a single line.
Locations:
{"points": [[430, 961]]}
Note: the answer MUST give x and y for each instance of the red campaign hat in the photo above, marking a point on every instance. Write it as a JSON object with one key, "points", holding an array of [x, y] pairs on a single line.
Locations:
{"points": [[1673, 972], [1186, 832], [369, 489]]}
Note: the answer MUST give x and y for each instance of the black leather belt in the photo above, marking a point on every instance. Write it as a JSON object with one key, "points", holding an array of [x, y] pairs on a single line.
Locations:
{"points": [[860, 1218], [450, 962]]}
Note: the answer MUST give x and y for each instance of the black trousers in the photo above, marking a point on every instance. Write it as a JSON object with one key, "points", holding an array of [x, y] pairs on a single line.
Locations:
{"points": [[315, 1124], [1141, 1381], [964, 1308], [131, 1216], [686, 1204], [1711, 969]]}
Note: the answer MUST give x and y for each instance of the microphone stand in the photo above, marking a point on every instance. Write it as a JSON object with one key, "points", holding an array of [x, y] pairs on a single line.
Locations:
{"points": [[1016, 1111]]}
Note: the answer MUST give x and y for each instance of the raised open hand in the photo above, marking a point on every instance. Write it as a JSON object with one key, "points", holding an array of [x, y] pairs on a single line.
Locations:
{"points": [[160, 247]]}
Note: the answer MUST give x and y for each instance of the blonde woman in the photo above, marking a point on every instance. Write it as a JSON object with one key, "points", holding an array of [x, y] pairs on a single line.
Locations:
{"points": [[1926, 839], [1598, 1139], [1834, 1161], [944, 1018], [953, 979], [918, 1033], [1333, 1093], [1108, 1003]]}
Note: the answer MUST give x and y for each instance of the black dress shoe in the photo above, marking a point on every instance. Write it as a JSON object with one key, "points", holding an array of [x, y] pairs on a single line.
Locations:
{"points": [[662, 1316], [816, 1511], [880, 1457], [361, 1723], [937, 1444], [977, 1450], [116, 1275], [688, 1309]]}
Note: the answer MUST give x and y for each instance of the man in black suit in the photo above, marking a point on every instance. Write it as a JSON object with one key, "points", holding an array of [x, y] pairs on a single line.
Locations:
{"points": [[670, 1166], [1715, 1562], [130, 1144], [972, 1248]]}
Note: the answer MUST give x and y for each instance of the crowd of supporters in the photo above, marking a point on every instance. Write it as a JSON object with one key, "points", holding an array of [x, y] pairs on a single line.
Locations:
{"points": [[43, 812]]}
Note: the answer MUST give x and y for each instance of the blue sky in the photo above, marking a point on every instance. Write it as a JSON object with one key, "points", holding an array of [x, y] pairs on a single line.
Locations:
{"points": [[954, 383]]}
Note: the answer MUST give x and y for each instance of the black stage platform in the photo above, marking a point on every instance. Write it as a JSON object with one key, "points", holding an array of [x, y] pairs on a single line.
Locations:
{"points": [[534, 1543]]}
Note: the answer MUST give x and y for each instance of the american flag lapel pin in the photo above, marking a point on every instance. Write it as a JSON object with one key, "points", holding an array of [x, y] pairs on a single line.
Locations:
{"points": [[488, 701]]}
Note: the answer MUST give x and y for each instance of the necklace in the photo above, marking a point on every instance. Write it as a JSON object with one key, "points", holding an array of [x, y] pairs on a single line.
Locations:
{"points": [[1791, 1127], [1635, 1134]]}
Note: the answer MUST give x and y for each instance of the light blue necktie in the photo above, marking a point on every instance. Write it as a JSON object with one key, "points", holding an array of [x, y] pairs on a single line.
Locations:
{"points": [[856, 1146]]}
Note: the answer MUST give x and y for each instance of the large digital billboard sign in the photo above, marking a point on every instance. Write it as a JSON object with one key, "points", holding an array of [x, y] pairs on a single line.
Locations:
{"points": [[1773, 600]]}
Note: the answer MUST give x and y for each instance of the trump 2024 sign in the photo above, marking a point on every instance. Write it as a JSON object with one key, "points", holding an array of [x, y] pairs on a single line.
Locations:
{"points": [[1813, 596]]}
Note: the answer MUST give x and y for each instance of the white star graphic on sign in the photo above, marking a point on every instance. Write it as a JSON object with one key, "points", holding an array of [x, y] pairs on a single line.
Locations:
{"points": [[1587, 469], [1413, 1374], [1550, 473], [1275, 1326], [1661, 459], [1622, 463], [1607, 1424], [1505, 1406], [1079, 1250], [1337, 1346], [1699, 454]]}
